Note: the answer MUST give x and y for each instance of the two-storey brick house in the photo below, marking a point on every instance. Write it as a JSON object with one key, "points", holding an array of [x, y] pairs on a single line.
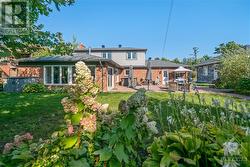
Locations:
{"points": [[109, 67]]}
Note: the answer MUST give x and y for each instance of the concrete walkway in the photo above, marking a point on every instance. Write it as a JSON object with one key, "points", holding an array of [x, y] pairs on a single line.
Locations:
{"points": [[222, 92], [156, 88]]}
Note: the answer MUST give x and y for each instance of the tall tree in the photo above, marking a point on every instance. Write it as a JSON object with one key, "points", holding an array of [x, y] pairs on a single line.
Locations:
{"points": [[230, 48], [195, 53], [176, 60], [37, 39]]}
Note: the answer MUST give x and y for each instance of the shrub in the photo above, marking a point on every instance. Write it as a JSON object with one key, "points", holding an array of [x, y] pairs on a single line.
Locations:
{"points": [[34, 88], [218, 84], [234, 67], [243, 86]]}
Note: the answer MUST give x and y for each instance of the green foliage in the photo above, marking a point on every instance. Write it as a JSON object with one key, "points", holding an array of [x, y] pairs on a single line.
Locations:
{"points": [[37, 42], [34, 88], [243, 86], [229, 49], [125, 142], [147, 132], [234, 68]]}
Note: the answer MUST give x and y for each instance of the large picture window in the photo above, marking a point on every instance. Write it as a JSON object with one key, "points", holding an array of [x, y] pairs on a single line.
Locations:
{"points": [[62, 74]]}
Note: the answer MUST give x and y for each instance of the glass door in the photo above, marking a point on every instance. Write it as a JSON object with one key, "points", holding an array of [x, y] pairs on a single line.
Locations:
{"points": [[165, 77], [110, 78]]}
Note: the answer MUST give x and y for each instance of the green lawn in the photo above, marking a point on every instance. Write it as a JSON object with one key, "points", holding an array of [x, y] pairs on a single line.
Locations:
{"points": [[41, 114]]}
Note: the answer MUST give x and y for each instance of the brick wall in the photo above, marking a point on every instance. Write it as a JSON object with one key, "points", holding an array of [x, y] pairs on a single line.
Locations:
{"points": [[8, 70], [99, 76], [140, 74]]}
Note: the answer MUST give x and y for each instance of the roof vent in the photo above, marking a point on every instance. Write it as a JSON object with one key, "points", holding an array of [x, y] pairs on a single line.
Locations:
{"points": [[120, 46], [103, 46]]}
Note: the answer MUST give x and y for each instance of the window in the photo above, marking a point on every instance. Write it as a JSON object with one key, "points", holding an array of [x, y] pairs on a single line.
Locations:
{"points": [[48, 76], [65, 76], [131, 55], [92, 71], [205, 70], [56, 74], [62, 74], [107, 55], [73, 74], [126, 72]]}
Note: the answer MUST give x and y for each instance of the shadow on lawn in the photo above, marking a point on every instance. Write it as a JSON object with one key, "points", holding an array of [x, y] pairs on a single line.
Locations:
{"points": [[39, 114]]}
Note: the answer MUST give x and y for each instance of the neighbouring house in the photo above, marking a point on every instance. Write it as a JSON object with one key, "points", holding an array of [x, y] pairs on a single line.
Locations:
{"points": [[208, 71], [110, 67]]}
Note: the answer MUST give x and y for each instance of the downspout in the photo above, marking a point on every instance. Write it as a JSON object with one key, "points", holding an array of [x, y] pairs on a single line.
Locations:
{"points": [[102, 72]]}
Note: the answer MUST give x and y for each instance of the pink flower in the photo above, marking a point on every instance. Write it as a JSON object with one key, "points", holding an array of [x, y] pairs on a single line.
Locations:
{"points": [[70, 129], [8, 147], [89, 123], [28, 136]]}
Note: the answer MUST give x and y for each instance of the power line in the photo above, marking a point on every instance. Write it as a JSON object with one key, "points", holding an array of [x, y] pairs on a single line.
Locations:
{"points": [[167, 28]]}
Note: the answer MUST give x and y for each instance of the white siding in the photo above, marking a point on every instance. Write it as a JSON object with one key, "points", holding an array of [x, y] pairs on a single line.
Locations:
{"points": [[120, 57]]}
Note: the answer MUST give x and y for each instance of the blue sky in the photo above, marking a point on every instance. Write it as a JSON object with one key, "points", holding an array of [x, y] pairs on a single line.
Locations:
{"points": [[142, 23]]}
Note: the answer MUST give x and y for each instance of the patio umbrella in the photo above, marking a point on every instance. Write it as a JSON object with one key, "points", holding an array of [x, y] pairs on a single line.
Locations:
{"points": [[149, 73], [182, 69]]}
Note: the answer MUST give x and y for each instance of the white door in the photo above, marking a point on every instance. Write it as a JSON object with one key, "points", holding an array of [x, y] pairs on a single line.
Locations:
{"points": [[110, 78], [165, 77]]}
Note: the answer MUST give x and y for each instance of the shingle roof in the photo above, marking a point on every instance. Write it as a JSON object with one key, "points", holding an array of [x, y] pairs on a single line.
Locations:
{"points": [[60, 59], [213, 60], [163, 63], [111, 49]]}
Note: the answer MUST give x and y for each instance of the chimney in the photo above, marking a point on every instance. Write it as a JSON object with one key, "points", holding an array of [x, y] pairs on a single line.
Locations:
{"points": [[89, 50], [103, 46], [120, 46], [81, 46]]}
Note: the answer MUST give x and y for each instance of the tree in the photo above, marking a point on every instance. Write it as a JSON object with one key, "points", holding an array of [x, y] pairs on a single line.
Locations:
{"points": [[37, 40], [176, 60], [234, 68], [195, 53], [164, 59], [230, 48], [205, 57]]}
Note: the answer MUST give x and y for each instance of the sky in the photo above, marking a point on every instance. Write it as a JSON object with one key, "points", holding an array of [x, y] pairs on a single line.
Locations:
{"points": [[143, 23]]}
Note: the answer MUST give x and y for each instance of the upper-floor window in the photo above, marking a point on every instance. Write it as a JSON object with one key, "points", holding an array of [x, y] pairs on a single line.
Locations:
{"points": [[131, 55], [107, 55]]}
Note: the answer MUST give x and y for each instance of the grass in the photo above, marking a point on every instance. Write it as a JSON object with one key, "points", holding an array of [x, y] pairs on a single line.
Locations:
{"points": [[41, 114]]}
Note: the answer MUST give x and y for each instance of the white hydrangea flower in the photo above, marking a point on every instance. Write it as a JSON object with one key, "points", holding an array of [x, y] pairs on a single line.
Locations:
{"points": [[231, 148], [170, 119], [247, 129], [215, 102], [231, 163], [152, 127], [145, 119]]}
